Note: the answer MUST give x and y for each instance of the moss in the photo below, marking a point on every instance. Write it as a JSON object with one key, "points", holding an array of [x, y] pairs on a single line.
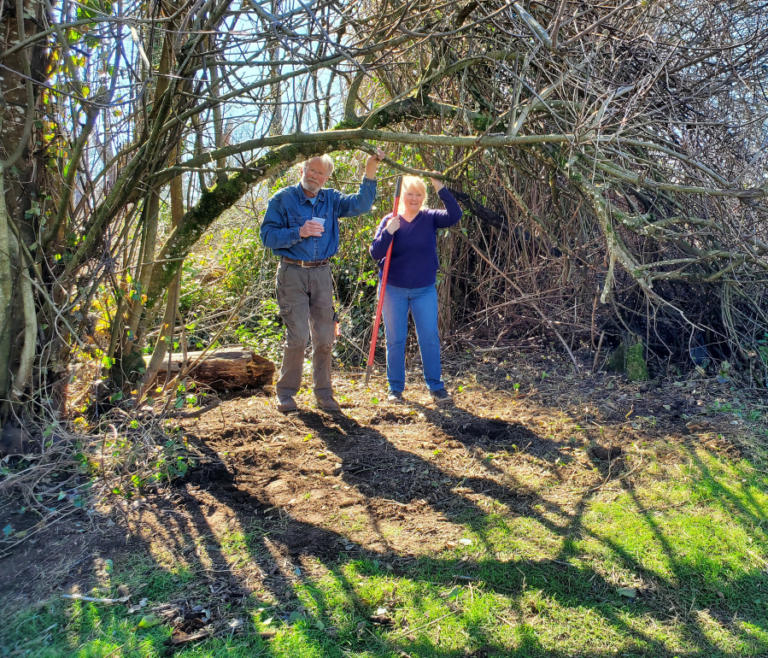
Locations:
{"points": [[636, 368], [348, 124], [629, 358]]}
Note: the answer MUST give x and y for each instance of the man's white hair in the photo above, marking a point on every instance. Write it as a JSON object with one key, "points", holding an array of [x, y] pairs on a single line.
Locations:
{"points": [[326, 159]]}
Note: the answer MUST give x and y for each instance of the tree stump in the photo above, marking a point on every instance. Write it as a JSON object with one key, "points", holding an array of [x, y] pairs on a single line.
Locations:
{"points": [[225, 368]]}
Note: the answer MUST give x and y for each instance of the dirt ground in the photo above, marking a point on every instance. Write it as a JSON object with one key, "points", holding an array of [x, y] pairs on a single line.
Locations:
{"points": [[383, 481]]}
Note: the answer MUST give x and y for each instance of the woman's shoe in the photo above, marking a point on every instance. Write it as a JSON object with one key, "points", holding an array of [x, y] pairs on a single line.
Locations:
{"points": [[441, 397]]}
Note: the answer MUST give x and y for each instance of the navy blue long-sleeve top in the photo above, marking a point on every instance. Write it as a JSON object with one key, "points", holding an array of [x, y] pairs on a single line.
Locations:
{"points": [[289, 208], [414, 245]]}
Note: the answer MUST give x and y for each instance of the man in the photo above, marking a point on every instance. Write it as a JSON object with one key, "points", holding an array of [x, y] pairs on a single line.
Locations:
{"points": [[301, 227]]}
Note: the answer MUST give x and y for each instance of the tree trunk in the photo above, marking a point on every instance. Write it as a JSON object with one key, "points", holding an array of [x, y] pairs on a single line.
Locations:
{"points": [[20, 207]]}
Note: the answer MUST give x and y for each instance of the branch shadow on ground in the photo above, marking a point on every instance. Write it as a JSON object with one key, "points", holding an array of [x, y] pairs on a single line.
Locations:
{"points": [[285, 549], [279, 543]]}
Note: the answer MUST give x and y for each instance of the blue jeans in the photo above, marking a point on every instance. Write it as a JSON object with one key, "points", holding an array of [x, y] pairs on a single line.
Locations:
{"points": [[422, 304]]}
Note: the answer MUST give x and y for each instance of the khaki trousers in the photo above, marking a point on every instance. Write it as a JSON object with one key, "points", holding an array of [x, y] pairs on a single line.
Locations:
{"points": [[305, 297]]}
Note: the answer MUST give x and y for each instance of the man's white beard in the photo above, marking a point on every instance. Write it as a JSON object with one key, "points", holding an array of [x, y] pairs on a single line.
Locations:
{"points": [[310, 187]]}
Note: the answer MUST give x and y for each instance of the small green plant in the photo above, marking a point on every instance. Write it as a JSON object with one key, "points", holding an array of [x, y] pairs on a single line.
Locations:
{"points": [[136, 465], [185, 395], [263, 330], [173, 461], [734, 407]]}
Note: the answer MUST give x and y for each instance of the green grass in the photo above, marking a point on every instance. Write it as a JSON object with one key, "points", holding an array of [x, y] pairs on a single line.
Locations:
{"points": [[688, 536]]}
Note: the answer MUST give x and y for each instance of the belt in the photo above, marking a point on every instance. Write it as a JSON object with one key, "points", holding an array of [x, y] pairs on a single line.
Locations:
{"points": [[306, 263]]}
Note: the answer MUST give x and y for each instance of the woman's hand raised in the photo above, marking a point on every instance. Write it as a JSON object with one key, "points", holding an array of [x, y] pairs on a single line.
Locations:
{"points": [[393, 224]]}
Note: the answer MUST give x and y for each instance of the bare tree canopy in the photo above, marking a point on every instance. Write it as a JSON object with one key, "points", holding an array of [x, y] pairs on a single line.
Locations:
{"points": [[622, 144]]}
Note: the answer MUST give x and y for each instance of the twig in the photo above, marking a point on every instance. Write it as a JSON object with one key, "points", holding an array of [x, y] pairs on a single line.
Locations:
{"points": [[421, 628], [95, 599], [541, 314], [597, 351]]}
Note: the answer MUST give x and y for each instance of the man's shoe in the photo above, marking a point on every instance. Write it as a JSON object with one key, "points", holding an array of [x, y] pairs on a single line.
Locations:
{"points": [[286, 404], [328, 404], [395, 396], [441, 397]]}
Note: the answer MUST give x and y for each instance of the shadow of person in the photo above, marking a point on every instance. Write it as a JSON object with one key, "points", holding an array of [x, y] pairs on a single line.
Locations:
{"points": [[382, 472], [472, 430]]}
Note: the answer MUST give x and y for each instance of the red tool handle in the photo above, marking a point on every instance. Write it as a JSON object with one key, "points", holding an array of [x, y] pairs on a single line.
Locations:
{"points": [[382, 287]]}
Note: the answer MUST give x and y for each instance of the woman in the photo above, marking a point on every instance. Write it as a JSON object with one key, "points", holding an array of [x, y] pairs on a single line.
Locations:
{"points": [[412, 232]]}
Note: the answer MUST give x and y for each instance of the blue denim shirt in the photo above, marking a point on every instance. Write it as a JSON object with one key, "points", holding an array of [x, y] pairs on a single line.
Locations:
{"points": [[290, 208]]}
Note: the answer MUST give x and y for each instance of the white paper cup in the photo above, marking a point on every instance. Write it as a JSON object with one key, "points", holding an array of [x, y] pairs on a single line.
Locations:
{"points": [[319, 220]]}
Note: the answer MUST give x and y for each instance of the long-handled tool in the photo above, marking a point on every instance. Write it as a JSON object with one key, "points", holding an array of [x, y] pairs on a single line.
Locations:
{"points": [[382, 288]]}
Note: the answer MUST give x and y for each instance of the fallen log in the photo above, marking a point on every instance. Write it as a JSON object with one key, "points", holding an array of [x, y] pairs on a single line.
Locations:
{"points": [[225, 368]]}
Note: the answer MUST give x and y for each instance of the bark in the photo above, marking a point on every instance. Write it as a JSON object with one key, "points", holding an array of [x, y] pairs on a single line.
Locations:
{"points": [[226, 368], [165, 337], [6, 292], [27, 356], [22, 68]]}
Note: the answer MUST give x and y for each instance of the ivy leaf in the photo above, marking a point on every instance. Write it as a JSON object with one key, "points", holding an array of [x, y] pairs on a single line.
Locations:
{"points": [[148, 621]]}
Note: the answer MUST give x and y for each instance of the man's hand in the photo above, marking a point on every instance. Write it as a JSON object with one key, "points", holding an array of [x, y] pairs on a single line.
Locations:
{"points": [[393, 224], [311, 229], [372, 164]]}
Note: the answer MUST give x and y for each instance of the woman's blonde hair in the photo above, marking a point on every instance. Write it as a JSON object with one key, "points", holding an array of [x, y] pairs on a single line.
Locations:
{"points": [[409, 182]]}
